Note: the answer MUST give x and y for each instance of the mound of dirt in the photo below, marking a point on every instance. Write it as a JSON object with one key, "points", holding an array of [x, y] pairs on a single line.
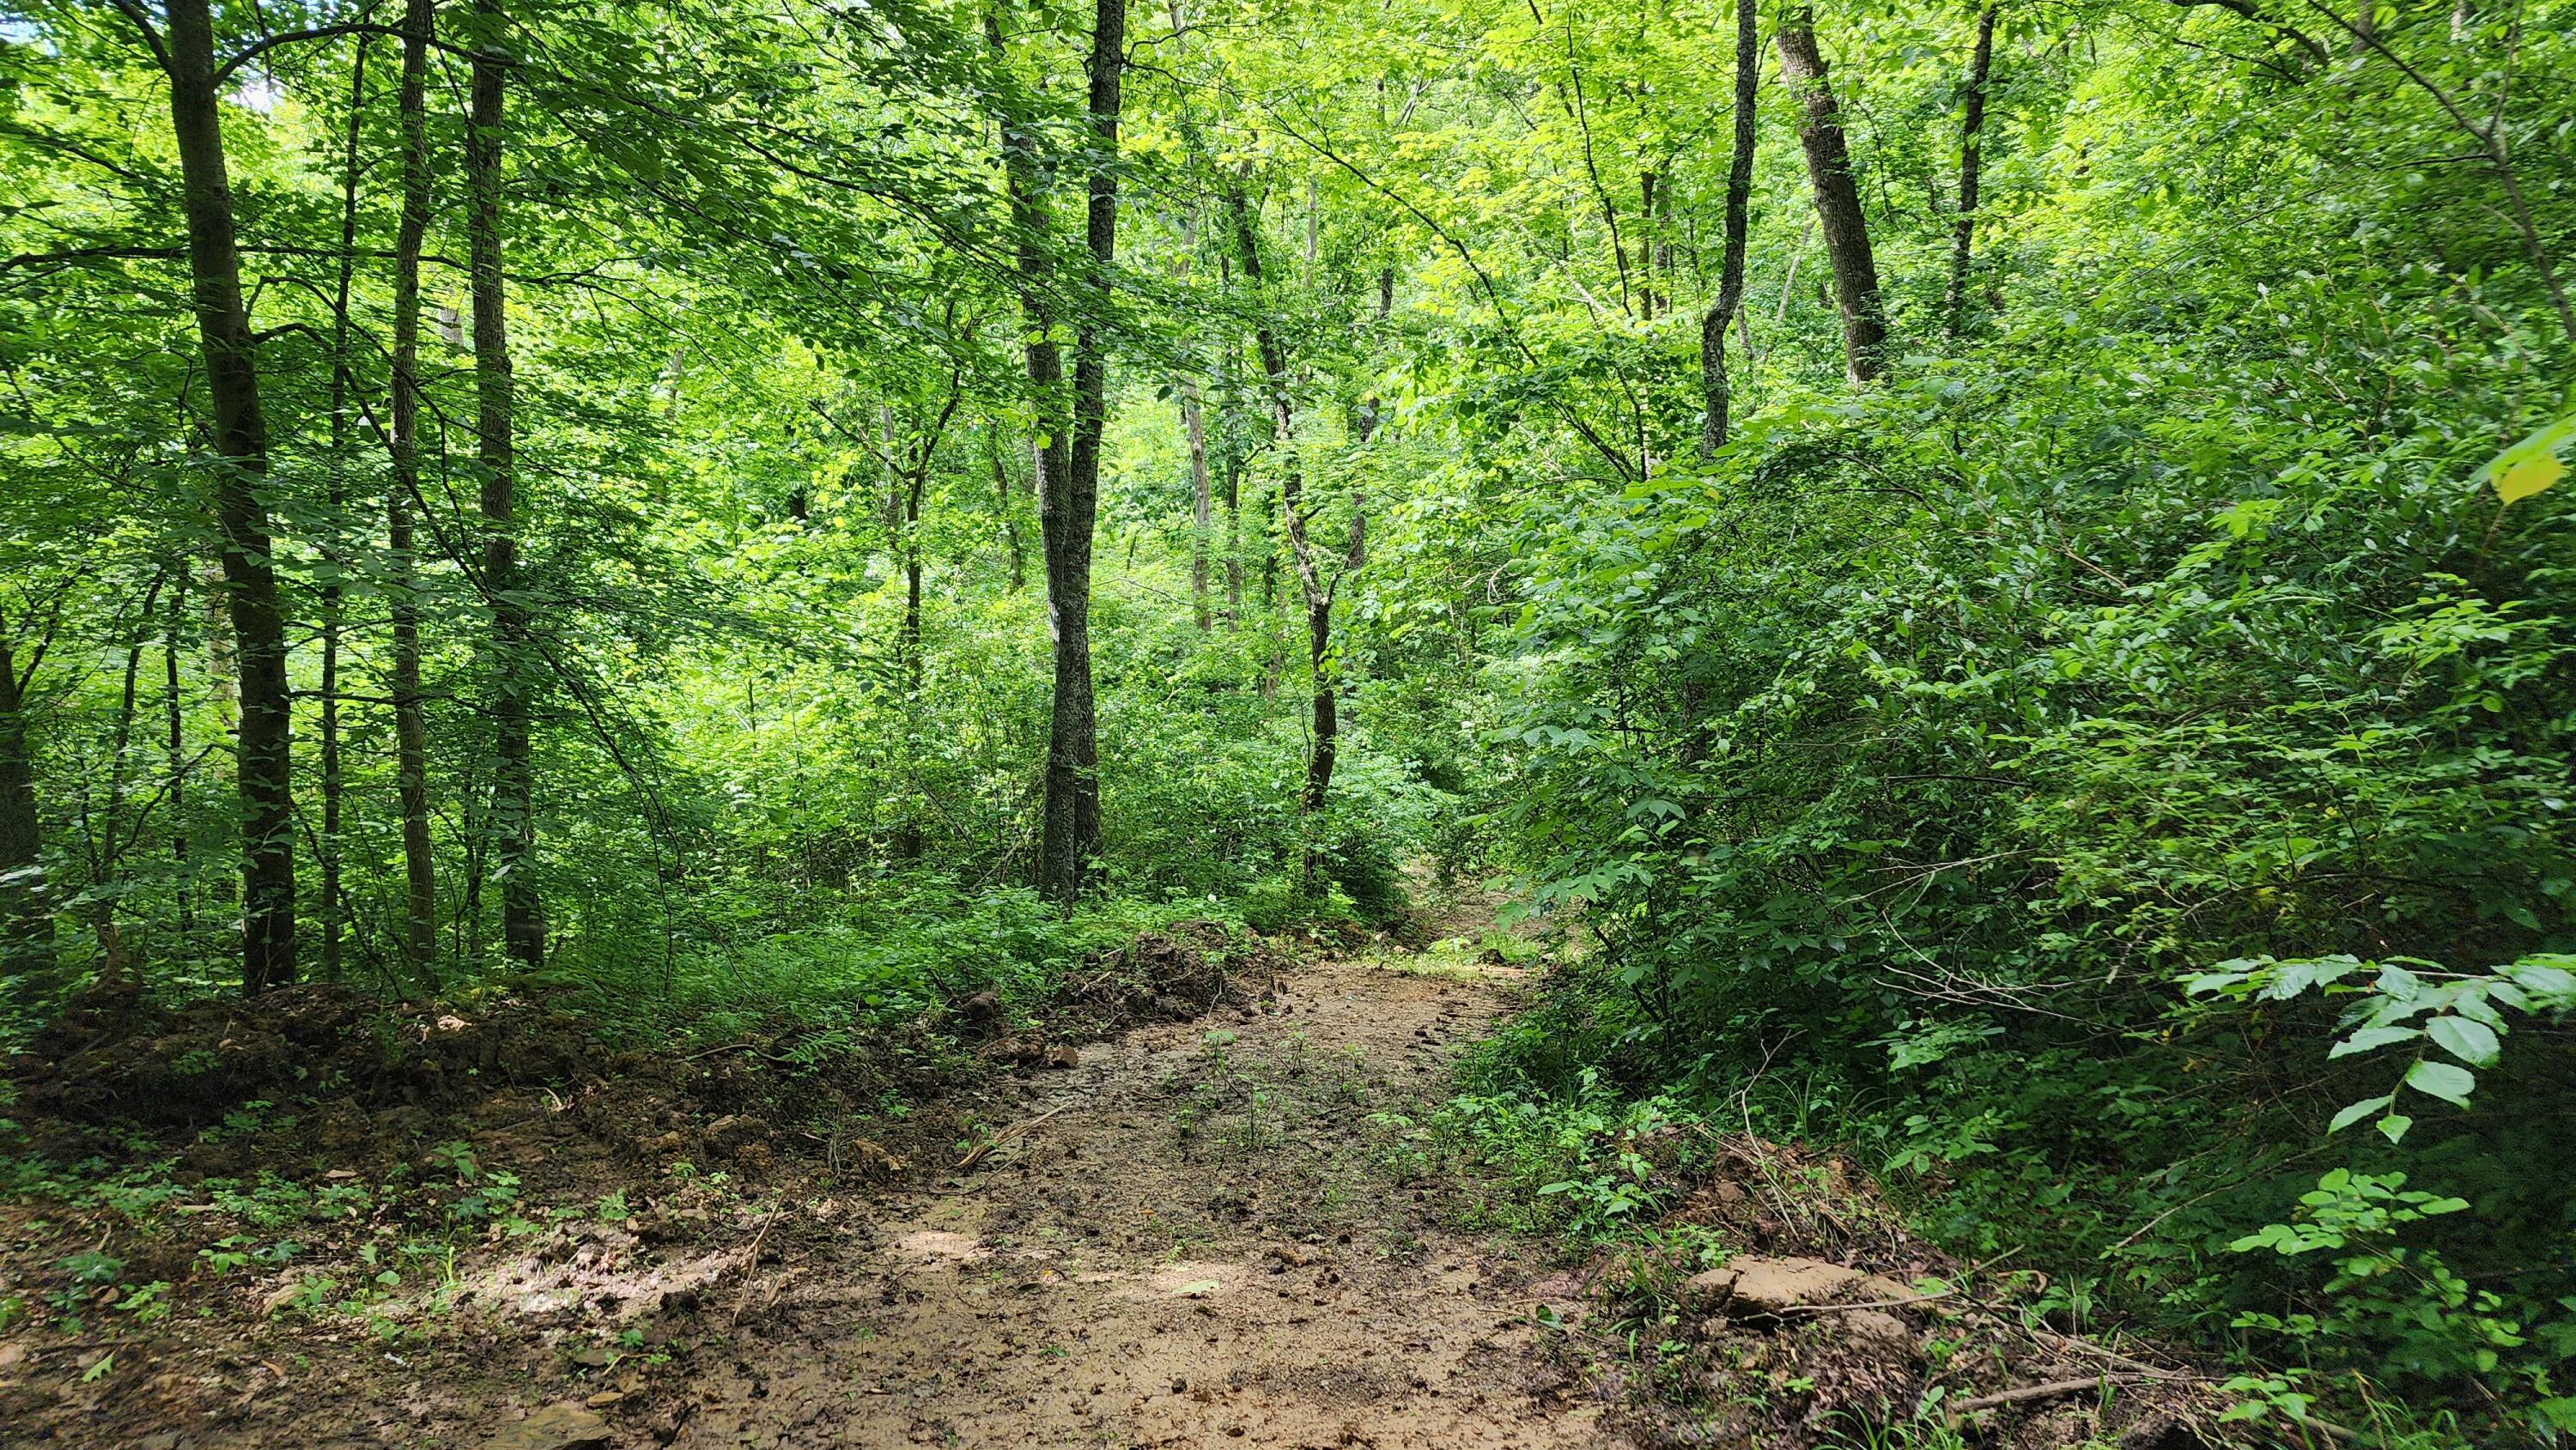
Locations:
{"points": [[1165, 976], [114, 1058], [1828, 1318]]}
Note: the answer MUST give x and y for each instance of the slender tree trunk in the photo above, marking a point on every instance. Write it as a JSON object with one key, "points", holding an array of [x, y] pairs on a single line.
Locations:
{"points": [[175, 760], [1059, 864], [1730, 271], [907, 835], [335, 501], [1292, 512], [912, 671], [1646, 246], [1070, 838], [411, 733], [266, 756], [1972, 125], [1202, 500], [513, 820], [1003, 500], [22, 840], [1838, 210], [1229, 446], [107, 836]]}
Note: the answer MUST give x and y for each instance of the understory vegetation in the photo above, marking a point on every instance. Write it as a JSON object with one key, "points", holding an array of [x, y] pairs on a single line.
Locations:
{"points": [[1986, 578]]}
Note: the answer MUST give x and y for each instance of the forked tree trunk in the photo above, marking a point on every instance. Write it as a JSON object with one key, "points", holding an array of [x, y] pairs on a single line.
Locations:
{"points": [[411, 732], [1069, 821], [1838, 210], [1714, 385], [266, 757], [1324, 691], [1070, 838], [1972, 125], [513, 820]]}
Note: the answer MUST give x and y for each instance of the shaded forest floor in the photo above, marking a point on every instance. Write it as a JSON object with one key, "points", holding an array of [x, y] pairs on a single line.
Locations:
{"points": [[1196, 1202]]}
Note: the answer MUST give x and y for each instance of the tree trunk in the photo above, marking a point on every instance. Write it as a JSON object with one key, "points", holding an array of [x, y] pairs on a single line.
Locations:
{"points": [[411, 733], [1730, 271], [266, 757], [335, 501], [1229, 446], [1060, 859], [1646, 246], [1292, 512], [106, 837], [1019, 577], [1972, 125], [175, 761], [1838, 211], [513, 821], [22, 913], [1202, 500], [1070, 838]]}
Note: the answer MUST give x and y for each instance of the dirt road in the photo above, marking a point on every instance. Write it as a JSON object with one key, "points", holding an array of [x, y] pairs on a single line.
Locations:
{"points": [[1208, 1234]]}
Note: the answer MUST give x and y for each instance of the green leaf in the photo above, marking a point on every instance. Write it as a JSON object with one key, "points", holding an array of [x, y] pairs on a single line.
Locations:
{"points": [[2439, 1079], [2471, 1042], [2355, 1112], [2370, 1037], [2394, 1126]]}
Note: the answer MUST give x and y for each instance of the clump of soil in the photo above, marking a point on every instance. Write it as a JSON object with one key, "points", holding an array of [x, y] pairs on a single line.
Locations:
{"points": [[1826, 1318]]}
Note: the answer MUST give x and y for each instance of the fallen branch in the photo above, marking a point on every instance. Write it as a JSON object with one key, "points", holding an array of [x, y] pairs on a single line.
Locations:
{"points": [[2048, 1391], [1007, 1134]]}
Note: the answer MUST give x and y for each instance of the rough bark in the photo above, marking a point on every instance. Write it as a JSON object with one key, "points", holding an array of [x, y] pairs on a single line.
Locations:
{"points": [[1714, 384], [1838, 209], [265, 754], [1324, 689], [1972, 125], [513, 817], [411, 732]]}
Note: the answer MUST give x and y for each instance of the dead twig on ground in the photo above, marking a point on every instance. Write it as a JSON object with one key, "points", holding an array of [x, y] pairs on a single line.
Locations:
{"points": [[978, 1153]]}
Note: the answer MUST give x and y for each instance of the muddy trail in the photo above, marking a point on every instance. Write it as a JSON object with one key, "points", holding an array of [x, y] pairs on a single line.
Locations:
{"points": [[1206, 1234], [1215, 1231]]}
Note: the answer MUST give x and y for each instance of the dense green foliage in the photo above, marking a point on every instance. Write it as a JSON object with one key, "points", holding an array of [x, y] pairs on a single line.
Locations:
{"points": [[2109, 770]]}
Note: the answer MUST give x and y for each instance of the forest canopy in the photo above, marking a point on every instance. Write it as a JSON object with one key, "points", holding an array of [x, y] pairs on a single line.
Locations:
{"points": [[1988, 576]]}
